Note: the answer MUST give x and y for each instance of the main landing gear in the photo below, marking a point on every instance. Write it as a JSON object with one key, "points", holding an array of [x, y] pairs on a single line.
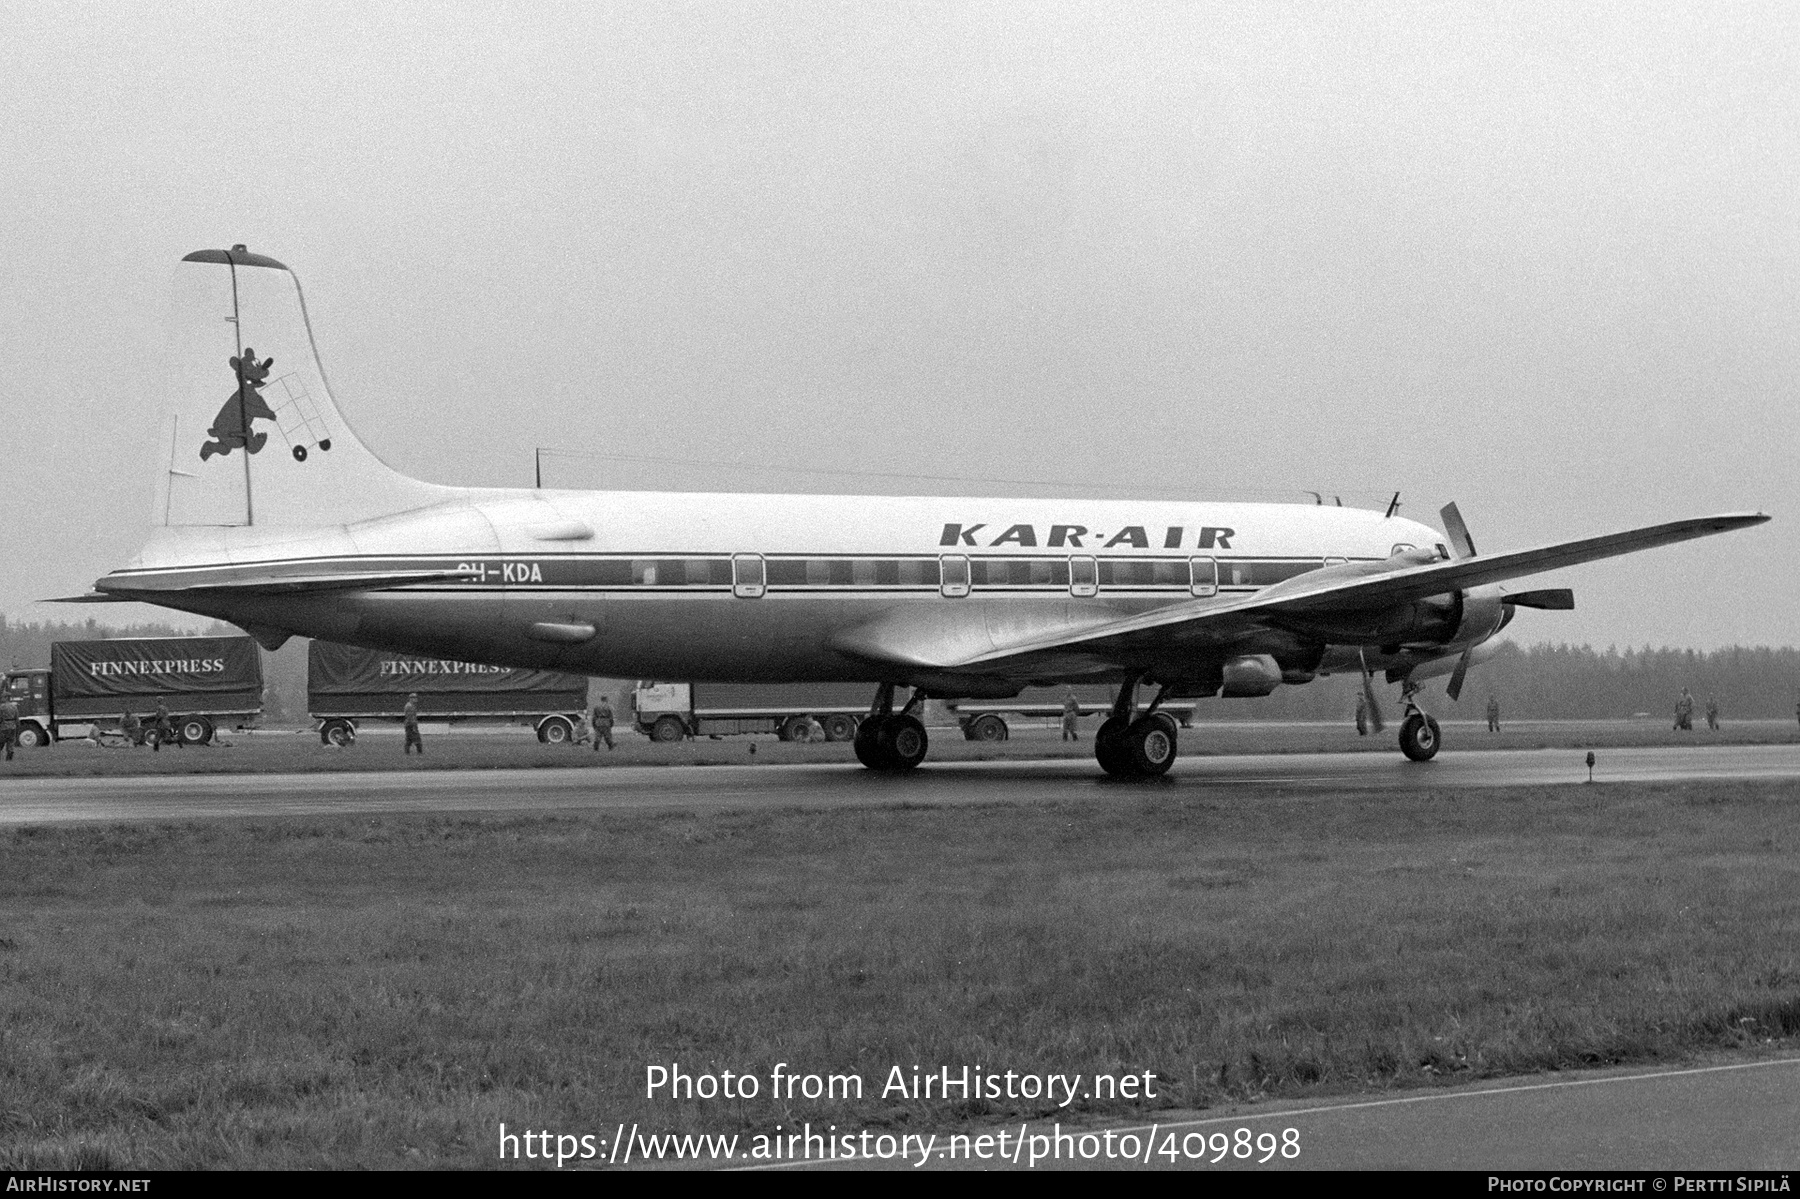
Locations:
{"points": [[1419, 736], [889, 741], [1130, 745]]}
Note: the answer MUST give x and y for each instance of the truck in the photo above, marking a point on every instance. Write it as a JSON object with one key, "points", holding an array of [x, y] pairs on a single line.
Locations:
{"points": [[346, 684], [792, 711], [985, 720], [203, 682], [666, 711]]}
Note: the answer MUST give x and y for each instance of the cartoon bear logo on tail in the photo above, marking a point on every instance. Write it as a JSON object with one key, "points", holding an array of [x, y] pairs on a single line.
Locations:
{"points": [[245, 405]]}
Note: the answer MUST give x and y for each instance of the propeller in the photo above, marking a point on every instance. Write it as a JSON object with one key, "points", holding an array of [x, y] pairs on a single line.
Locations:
{"points": [[1463, 546], [1554, 599], [1369, 701]]}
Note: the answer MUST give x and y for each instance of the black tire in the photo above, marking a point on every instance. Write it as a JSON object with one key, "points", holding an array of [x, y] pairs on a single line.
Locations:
{"points": [[868, 743], [556, 730], [988, 728], [841, 727], [1419, 737], [337, 732], [194, 730], [797, 728], [30, 736], [903, 744], [1107, 750], [1149, 746], [668, 728]]}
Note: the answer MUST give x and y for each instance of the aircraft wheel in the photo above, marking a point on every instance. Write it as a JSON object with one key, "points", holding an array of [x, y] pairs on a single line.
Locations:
{"points": [[668, 728], [841, 727], [868, 743], [1419, 738], [988, 728], [1148, 746], [903, 743], [1107, 749]]}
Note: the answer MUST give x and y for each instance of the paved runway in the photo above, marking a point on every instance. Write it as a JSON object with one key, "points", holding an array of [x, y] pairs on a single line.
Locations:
{"points": [[703, 788], [1728, 1117]]}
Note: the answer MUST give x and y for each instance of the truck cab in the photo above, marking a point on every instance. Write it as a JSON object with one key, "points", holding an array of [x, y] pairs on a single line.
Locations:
{"points": [[30, 689]]}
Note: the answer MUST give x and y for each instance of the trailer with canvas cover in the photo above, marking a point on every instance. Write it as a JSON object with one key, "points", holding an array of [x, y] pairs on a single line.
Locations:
{"points": [[346, 684]]}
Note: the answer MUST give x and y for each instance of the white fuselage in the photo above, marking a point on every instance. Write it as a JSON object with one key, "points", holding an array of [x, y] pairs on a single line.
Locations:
{"points": [[750, 587]]}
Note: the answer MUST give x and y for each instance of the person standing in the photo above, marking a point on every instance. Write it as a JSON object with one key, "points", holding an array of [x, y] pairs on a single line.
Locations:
{"points": [[1071, 712], [1493, 715], [409, 716], [1712, 713], [1684, 712], [603, 724], [163, 729], [9, 725], [130, 729]]}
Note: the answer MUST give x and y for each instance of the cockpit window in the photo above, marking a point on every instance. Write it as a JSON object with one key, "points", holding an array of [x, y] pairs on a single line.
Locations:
{"points": [[1399, 548]]}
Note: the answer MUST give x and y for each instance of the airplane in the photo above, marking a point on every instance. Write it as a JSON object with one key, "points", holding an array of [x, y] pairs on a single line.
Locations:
{"points": [[273, 515]]}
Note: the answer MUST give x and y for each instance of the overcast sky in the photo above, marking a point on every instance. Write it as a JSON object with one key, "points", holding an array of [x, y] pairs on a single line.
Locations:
{"points": [[1541, 259]]}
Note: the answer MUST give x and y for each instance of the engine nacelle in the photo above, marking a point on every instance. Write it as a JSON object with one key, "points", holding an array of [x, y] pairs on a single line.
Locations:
{"points": [[1456, 618]]}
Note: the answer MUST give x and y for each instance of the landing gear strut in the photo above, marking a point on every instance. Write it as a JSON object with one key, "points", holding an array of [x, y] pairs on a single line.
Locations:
{"points": [[1419, 736], [888, 741], [1130, 745]]}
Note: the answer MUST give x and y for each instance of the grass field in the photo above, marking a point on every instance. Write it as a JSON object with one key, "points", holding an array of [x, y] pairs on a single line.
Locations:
{"points": [[461, 749], [387, 991]]}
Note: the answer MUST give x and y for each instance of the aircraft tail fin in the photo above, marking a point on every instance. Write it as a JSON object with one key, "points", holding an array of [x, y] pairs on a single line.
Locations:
{"points": [[254, 436]]}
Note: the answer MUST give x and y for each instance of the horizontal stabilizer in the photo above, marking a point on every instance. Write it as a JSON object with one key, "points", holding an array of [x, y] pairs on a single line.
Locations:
{"points": [[1554, 599], [287, 584]]}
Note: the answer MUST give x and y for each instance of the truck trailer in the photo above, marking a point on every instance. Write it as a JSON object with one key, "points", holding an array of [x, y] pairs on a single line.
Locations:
{"points": [[203, 682], [346, 684], [792, 711]]}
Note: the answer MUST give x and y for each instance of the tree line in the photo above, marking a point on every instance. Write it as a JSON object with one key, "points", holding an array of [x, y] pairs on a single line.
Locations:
{"points": [[1538, 682]]}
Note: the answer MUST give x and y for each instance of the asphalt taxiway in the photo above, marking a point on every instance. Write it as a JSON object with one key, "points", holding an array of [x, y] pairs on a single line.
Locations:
{"points": [[708, 788]]}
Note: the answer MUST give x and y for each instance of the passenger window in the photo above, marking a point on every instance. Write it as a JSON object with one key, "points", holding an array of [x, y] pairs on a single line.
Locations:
{"points": [[787, 572], [1203, 576], [644, 571], [955, 579], [1084, 577], [862, 572], [747, 576], [1169, 573], [921, 572]]}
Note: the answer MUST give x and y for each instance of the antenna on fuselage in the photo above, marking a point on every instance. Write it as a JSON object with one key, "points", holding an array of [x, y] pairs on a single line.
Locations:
{"points": [[1393, 506]]}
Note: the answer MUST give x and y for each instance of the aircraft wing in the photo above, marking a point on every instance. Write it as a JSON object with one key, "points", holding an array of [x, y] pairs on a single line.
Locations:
{"points": [[1348, 588]]}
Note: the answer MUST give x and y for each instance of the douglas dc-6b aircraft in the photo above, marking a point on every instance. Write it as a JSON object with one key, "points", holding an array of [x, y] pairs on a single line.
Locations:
{"points": [[272, 515]]}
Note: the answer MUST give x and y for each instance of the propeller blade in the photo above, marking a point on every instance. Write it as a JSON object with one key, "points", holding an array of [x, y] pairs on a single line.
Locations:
{"points": [[1460, 542], [1454, 689], [1368, 682], [1554, 599]]}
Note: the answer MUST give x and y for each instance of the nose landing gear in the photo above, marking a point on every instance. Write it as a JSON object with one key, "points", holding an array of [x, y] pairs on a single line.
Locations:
{"points": [[1419, 735]]}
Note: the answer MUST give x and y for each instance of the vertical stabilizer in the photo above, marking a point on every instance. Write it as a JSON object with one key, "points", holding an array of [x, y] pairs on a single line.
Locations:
{"points": [[254, 437]]}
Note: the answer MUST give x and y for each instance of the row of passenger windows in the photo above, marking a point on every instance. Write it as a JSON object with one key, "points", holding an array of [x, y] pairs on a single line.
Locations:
{"points": [[924, 572]]}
